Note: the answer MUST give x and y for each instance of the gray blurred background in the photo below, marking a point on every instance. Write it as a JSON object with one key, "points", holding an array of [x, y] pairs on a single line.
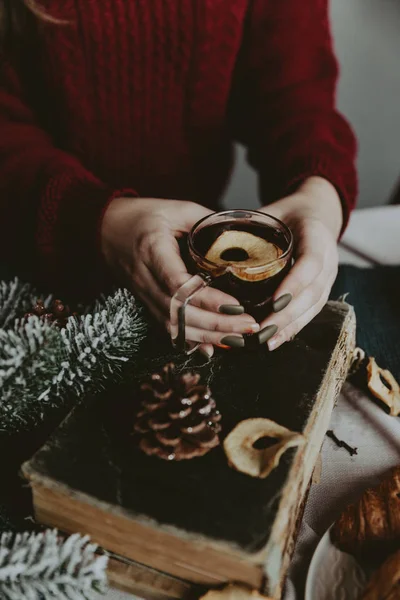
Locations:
{"points": [[367, 41]]}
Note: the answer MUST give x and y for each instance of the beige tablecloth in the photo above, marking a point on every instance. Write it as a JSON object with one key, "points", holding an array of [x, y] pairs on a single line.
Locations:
{"points": [[376, 435]]}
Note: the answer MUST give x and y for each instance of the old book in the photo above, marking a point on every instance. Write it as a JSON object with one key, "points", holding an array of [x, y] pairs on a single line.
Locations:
{"points": [[172, 526]]}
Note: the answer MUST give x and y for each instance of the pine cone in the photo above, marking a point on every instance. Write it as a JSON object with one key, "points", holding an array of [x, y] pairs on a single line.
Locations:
{"points": [[57, 313], [178, 418]]}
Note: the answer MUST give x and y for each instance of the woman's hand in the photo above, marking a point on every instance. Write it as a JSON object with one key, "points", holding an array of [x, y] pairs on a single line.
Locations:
{"points": [[139, 241], [314, 214]]}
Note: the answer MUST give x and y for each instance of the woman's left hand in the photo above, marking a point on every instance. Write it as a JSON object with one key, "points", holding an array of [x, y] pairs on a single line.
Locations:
{"points": [[314, 214]]}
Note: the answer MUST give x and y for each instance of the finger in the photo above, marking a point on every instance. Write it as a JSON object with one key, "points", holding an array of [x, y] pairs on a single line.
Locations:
{"points": [[167, 266], [152, 306], [158, 303], [212, 321], [165, 263], [300, 303], [314, 254], [213, 300], [302, 310], [304, 272], [193, 334], [307, 280], [207, 350], [146, 287], [296, 326], [189, 213]]}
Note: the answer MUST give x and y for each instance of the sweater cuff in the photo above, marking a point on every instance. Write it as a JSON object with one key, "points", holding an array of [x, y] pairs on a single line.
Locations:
{"points": [[68, 240], [122, 193], [340, 176]]}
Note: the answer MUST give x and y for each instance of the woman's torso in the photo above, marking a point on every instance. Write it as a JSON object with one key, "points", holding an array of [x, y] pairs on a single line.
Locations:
{"points": [[139, 90]]}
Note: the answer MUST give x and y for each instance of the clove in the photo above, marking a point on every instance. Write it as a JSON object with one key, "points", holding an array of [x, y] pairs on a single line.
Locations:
{"points": [[341, 443]]}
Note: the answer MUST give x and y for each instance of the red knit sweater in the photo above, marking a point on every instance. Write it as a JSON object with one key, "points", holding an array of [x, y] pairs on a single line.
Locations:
{"points": [[149, 95]]}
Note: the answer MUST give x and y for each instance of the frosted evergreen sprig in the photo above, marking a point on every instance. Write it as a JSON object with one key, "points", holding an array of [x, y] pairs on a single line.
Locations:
{"points": [[14, 299], [42, 367], [97, 345], [30, 356], [41, 566], [17, 298]]}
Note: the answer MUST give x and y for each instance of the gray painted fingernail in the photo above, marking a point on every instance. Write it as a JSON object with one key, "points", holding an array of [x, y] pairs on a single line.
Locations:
{"points": [[267, 333], [231, 309], [282, 302], [207, 352], [234, 341]]}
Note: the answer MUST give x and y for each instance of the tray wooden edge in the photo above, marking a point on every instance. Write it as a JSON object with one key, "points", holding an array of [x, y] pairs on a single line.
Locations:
{"points": [[280, 547]]}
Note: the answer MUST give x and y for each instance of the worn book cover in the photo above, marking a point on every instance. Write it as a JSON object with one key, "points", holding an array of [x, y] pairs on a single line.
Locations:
{"points": [[174, 525]]}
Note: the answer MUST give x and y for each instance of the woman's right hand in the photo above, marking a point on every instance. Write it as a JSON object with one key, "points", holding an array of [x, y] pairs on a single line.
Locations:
{"points": [[139, 242]]}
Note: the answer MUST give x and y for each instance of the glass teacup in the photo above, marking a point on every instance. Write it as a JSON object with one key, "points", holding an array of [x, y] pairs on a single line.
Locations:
{"points": [[243, 253]]}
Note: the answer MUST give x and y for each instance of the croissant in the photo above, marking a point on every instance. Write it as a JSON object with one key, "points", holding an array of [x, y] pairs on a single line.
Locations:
{"points": [[372, 524], [385, 582]]}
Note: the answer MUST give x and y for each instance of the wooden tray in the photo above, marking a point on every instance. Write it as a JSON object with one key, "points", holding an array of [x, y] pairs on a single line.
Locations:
{"points": [[198, 522]]}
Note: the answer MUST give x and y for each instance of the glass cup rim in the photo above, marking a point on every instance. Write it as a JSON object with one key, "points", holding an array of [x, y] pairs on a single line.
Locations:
{"points": [[256, 213]]}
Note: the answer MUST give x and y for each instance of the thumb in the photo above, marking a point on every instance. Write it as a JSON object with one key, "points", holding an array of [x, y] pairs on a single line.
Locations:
{"points": [[166, 263], [278, 208], [189, 213]]}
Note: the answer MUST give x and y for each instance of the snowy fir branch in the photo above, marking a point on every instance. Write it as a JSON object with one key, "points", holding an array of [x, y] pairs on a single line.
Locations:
{"points": [[14, 299], [30, 355], [42, 366], [42, 566], [97, 345], [17, 298]]}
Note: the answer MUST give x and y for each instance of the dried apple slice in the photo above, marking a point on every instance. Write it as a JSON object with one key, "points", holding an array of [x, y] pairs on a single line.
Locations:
{"points": [[242, 251], [259, 462], [384, 386]]}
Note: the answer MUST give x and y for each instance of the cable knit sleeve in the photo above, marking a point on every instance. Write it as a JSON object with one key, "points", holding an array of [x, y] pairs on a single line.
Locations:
{"points": [[283, 105], [50, 205]]}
